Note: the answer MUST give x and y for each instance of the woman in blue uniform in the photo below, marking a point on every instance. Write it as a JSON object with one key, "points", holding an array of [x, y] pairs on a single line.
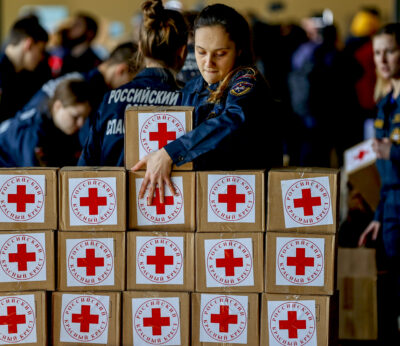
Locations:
{"points": [[36, 137], [162, 43], [234, 122]]}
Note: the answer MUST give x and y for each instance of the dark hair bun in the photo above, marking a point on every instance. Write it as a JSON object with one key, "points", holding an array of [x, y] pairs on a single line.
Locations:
{"points": [[153, 14]]}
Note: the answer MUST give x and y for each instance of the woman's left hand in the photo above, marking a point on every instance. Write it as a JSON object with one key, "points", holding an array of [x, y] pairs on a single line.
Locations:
{"points": [[382, 148], [158, 172]]}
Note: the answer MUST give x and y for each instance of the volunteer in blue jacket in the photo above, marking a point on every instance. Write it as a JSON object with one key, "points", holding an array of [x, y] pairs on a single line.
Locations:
{"points": [[234, 120], [162, 43], [39, 138]]}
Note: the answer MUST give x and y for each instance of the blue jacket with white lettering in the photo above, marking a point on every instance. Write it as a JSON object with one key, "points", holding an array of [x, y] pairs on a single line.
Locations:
{"points": [[240, 131], [105, 144]]}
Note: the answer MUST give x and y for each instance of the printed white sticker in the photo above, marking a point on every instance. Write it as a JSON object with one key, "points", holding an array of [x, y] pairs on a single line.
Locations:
{"points": [[307, 202], [292, 323], [170, 212], [93, 201], [229, 262], [231, 198], [359, 155], [156, 321], [223, 318], [90, 262], [159, 260], [22, 198]]}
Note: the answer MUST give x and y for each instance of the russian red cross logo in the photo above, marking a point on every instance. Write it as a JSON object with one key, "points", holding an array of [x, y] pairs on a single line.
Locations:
{"points": [[22, 198], [17, 319], [291, 322], [361, 154], [93, 201], [156, 321], [230, 198], [23, 257]]}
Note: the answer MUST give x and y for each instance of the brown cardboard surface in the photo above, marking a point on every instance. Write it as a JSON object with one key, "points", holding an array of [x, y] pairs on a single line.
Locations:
{"points": [[188, 262], [188, 181], [95, 173], [24, 285], [203, 225], [329, 265], [275, 215], [50, 199], [242, 253], [325, 319], [184, 308], [253, 336], [114, 318], [132, 138], [118, 261]]}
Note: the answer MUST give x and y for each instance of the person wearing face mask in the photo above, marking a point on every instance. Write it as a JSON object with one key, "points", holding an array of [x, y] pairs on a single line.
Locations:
{"points": [[47, 138]]}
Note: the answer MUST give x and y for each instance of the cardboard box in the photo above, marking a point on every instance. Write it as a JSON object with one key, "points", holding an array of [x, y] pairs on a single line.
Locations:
{"points": [[156, 318], [92, 199], [300, 264], [357, 284], [28, 198], [229, 262], [83, 318], [362, 172], [27, 261], [160, 261], [298, 320], [23, 318], [221, 319], [304, 200], [91, 261], [230, 201], [149, 129], [177, 213]]}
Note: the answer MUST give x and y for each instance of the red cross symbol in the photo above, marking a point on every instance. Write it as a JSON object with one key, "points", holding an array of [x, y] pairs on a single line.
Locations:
{"points": [[160, 260], [162, 136], [21, 198], [156, 322], [292, 324], [231, 198], [22, 257], [90, 262], [93, 201], [361, 154], [85, 319], [300, 261], [307, 202], [160, 207], [229, 262], [224, 319], [12, 320]]}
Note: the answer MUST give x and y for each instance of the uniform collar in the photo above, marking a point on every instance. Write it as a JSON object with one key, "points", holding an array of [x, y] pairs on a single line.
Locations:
{"points": [[164, 74], [201, 85]]}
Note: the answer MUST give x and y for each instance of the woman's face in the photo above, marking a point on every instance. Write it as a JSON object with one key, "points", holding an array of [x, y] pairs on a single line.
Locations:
{"points": [[387, 56], [215, 53], [71, 118]]}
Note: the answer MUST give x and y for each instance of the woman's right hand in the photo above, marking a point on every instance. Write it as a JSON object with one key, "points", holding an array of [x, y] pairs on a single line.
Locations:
{"points": [[373, 228]]}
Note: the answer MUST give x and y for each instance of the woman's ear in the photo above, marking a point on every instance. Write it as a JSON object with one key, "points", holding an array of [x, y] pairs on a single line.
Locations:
{"points": [[56, 106]]}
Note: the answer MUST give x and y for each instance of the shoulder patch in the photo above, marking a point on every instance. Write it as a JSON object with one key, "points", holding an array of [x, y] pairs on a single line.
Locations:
{"points": [[378, 124], [396, 118], [395, 136], [241, 88]]}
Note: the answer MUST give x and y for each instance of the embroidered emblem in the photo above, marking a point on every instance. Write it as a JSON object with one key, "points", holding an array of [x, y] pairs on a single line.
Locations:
{"points": [[395, 135], [396, 118], [241, 88], [378, 123]]}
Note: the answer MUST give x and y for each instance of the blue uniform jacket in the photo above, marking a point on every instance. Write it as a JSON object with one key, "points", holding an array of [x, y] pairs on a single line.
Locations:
{"points": [[238, 132], [105, 143]]}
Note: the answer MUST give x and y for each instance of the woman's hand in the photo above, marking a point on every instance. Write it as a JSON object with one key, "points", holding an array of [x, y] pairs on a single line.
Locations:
{"points": [[158, 172], [382, 148], [373, 227]]}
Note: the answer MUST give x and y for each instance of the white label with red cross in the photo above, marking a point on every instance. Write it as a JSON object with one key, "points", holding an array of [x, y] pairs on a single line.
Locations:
{"points": [[307, 202], [159, 260], [170, 212], [156, 321], [156, 130], [22, 257], [93, 201], [90, 262], [300, 261], [84, 319], [22, 198], [359, 155], [229, 262], [292, 323], [18, 320], [231, 198], [223, 318]]}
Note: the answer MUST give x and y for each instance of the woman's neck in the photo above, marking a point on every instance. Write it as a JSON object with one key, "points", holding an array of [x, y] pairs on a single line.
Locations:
{"points": [[151, 63], [396, 87]]}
